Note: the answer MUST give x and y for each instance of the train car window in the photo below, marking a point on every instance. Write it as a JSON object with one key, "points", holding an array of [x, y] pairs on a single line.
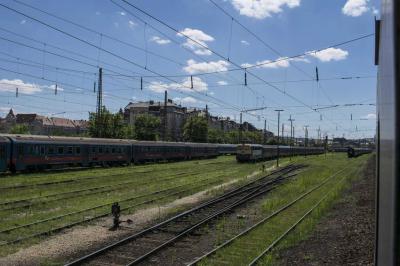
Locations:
{"points": [[77, 150], [60, 150], [119, 150], [30, 149], [107, 150], [100, 149], [42, 150], [50, 150], [36, 150], [21, 150], [113, 150], [93, 149], [70, 150], [1, 152]]}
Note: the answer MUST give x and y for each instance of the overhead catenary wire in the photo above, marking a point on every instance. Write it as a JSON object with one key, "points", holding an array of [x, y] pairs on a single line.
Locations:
{"points": [[218, 54], [101, 34], [106, 51], [158, 76]]}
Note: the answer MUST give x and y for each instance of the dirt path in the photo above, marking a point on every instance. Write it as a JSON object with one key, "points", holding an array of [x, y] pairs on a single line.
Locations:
{"points": [[345, 236]]}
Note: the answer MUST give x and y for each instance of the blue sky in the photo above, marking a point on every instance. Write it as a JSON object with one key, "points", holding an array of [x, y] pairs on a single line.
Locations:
{"points": [[289, 27]]}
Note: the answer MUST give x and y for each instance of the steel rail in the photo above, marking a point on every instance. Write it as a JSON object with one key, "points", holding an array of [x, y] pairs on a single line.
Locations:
{"points": [[57, 229], [244, 199], [100, 206], [92, 190], [230, 241], [277, 240], [185, 213], [87, 177]]}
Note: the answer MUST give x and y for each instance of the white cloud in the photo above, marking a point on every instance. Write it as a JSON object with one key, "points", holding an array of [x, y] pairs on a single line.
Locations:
{"points": [[370, 116], [98, 13], [122, 13], [185, 100], [330, 54], [53, 87], [375, 11], [281, 62], [194, 67], [199, 40], [222, 83], [244, 42], [159, 40], [131, 24], [22, 22], [185, 85], [355, 8], [260, 9], [7, 85]]}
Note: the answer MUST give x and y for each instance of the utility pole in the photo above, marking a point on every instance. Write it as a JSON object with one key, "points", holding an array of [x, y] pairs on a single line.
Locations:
{"points": [[291, 136], [207, 113], [305, 140], [283, 133], [99, 102], [165, 115], [240, 129], [265, 131], [277, 143]]}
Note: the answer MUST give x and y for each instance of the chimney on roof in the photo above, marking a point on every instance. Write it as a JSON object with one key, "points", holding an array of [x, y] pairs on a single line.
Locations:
{"points": [[151, 102]]}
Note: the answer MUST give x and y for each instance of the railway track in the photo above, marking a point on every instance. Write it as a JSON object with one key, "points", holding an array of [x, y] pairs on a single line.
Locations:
{"points": [[142, 245], [78, 179], [100, 211], [211, 256], [40, 200]]}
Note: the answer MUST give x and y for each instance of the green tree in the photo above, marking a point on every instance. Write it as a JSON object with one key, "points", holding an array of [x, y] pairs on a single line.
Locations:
{"points": [[109, 125], [20, 129], [232, 137], [195, 129], [146, 127], [216, 136]]}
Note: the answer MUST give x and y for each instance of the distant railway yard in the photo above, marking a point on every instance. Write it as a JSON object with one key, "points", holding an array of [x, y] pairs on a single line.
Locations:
{"points": [[200, 212]]}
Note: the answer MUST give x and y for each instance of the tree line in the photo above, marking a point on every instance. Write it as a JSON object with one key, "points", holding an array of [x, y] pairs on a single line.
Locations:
{"points": [[147, 127]]}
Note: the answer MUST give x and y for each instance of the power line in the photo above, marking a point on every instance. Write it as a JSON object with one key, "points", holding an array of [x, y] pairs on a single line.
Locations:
{"points": [[106, 51], [221, 56], [99, 33]]}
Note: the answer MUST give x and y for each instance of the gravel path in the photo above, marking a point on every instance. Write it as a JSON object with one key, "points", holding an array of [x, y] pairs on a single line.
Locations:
{"points": [[345, 236]]}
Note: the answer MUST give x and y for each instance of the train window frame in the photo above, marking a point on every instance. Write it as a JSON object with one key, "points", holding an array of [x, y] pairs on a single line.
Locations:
{"points": [[113, 150], [107, 150], [78, 150], [70, 150], [50, 150], [60, 150], [100, 149], [94, 149]]}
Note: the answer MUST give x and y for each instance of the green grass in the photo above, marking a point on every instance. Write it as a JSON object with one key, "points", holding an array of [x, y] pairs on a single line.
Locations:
{"points": [[135, 187], [246, 248]]}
